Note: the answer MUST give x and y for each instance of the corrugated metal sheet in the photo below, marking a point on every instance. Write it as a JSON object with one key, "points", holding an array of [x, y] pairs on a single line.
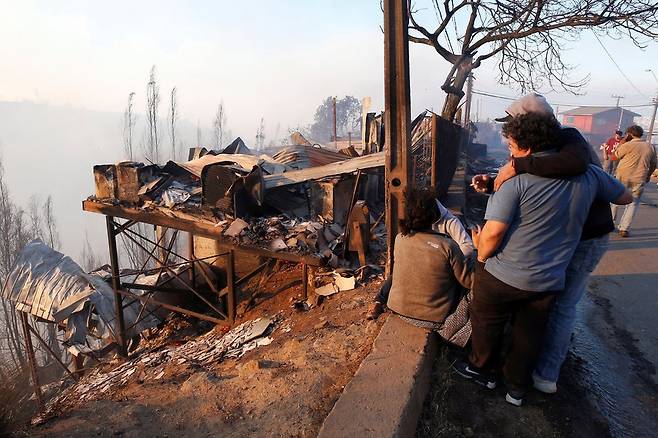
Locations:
{"points": [[237, 146], [303, 157], [51, 286]]}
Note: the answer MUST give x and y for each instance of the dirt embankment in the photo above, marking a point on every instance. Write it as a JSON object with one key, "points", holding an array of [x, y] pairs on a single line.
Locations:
{"points": [[285, 388]]}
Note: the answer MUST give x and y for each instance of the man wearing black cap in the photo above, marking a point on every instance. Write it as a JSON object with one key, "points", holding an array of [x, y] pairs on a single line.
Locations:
{"points": [[609, 148]]}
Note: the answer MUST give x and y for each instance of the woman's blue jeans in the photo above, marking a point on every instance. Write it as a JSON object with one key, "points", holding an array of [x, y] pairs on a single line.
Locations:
{"points": [[562, 318]]}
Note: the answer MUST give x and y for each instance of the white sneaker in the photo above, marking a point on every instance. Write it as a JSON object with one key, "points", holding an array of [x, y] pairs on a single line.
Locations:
{"points": [[516, 400], [543, 385]]}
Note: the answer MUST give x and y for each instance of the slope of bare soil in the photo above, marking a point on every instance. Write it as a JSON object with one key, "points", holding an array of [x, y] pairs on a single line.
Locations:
{"points": [[285, 388]]}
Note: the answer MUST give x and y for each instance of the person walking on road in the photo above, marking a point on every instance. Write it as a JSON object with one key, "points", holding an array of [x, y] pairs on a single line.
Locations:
{"points": [[609, 148], [637, 161]]}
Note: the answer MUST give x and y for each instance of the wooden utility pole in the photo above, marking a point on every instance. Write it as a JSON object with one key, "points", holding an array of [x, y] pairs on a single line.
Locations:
{"points": [[397, 116], [621, 114], [653, 119], [335, 126]]}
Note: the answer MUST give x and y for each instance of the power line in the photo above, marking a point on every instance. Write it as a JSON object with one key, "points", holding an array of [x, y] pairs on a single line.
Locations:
{"points": [[617, 65], [498, 96]]}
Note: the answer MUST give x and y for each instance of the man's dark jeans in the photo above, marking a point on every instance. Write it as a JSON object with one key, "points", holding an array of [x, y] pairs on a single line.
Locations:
{"points": [[384, 290], [494, 302]]}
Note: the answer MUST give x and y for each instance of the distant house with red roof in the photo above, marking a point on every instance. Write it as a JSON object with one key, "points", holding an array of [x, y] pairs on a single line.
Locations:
{"points": [[598, 123]]}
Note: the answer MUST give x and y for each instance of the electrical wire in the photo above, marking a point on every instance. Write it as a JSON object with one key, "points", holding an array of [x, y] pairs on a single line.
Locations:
{"points": [[498, 96], [617, 65]]}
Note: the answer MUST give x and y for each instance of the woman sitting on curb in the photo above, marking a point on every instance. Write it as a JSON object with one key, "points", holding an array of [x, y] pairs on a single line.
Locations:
{"points": [[430, 277]]}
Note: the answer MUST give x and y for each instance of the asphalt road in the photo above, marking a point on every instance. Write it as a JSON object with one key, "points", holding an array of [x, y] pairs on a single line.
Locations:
{"points": [[616, 338]]}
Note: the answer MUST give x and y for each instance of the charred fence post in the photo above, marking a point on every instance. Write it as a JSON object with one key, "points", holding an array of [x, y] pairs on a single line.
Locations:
{"points": [[397, 116]]}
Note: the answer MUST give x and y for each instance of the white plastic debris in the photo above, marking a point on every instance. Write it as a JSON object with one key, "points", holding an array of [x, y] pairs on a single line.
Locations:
{"points": [[338, 284], [174, 196], [236, 228], [278, 245]]}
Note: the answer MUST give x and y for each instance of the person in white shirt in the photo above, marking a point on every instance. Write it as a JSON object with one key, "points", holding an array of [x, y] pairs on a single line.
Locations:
{"points": [[451, 226]]}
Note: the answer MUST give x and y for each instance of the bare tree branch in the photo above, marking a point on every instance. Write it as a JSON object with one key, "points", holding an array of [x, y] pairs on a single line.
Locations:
{"points": [[527, 38], [173, 118]]}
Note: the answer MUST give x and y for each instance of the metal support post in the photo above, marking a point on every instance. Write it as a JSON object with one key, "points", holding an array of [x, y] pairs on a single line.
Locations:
{"points": [[31, 360], [116, 285], [397, 116], [230, 285], [50, 350]]}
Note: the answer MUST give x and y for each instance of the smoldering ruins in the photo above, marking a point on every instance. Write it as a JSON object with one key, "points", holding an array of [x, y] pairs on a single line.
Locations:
{"points": [[216, 257]]}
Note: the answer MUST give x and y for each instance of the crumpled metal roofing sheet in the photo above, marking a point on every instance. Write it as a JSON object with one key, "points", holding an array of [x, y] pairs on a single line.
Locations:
{"points": [[51, 286], [247, 162], [303, 157]]}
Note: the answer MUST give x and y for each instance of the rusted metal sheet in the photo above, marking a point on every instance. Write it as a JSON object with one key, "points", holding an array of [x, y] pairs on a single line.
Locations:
{"points": [[245, 162], [421, 150], [237, 146], [216, 179], [303, 157], [350, 152], [330, 198], [296, 138]]}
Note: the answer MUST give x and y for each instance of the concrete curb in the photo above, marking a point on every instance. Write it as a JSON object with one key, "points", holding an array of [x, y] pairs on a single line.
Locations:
{"points": [[385, 397]]}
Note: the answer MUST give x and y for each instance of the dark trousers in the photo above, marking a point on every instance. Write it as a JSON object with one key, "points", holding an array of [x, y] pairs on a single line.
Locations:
{"points": [[494, 302], [384, 290]]}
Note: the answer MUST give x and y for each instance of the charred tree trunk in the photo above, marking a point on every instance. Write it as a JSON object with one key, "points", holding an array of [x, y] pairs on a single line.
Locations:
{"points": [[454, 87]]}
